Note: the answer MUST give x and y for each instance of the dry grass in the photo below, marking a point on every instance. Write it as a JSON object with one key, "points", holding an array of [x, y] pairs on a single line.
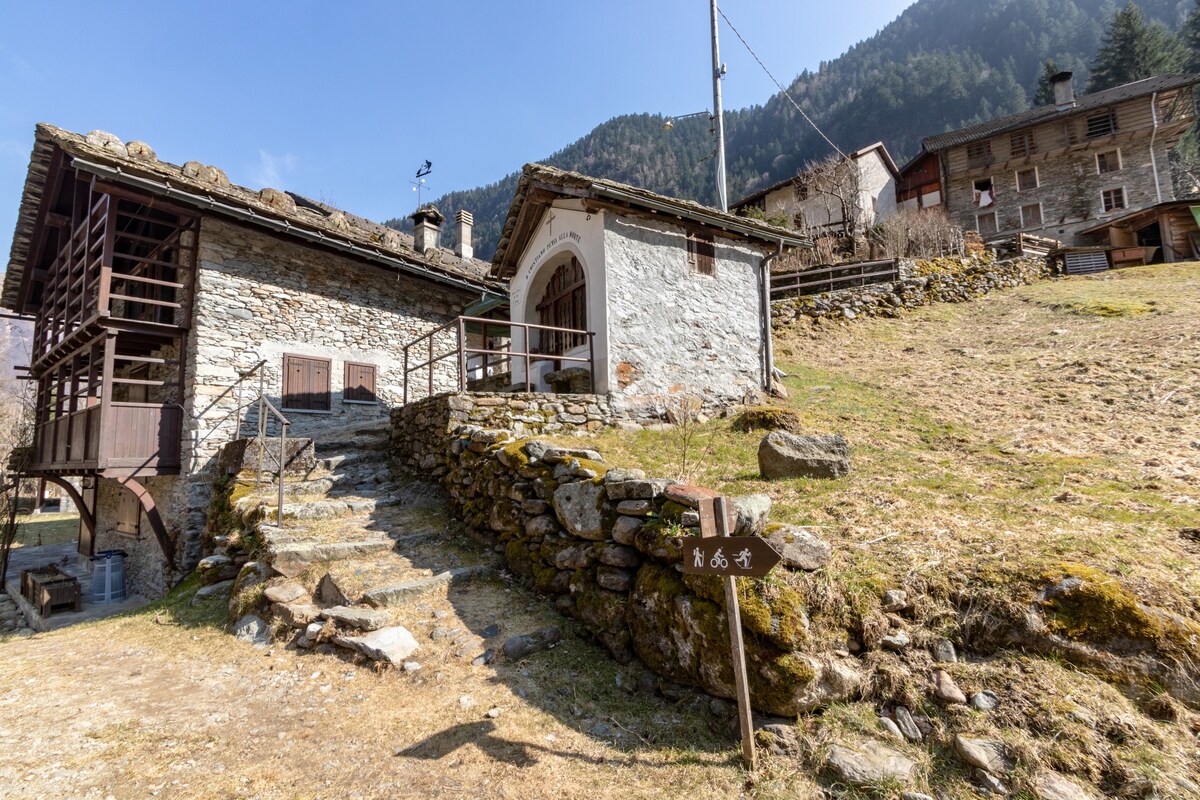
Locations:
{"points": [[35, 530]]}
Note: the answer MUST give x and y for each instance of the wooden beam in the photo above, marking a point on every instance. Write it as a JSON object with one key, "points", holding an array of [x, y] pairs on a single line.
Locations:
{"points": [[86, 515]]}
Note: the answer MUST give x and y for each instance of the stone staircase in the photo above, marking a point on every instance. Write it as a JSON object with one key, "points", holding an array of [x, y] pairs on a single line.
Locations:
{"points": [[358, 555]]}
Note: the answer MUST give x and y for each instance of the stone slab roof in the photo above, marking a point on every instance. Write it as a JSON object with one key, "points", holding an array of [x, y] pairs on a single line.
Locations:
{"points": [[539, 182], [1035, 116], [207, 188]]}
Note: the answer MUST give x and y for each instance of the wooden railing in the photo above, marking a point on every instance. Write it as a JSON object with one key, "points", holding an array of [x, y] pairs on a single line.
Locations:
{"points": [[831, 279], [127, 436], [464, 356]]}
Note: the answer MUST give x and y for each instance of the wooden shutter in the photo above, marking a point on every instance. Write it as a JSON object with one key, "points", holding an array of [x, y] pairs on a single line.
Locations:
{"points": [[702, 254], [359, 385], [129, 512], [306, 383]]}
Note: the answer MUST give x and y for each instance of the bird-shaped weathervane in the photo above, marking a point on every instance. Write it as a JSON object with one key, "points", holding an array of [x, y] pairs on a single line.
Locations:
{"points": [[419, 183]]}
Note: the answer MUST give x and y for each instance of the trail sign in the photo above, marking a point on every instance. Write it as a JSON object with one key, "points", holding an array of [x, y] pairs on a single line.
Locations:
{"points": [[735, 556]]}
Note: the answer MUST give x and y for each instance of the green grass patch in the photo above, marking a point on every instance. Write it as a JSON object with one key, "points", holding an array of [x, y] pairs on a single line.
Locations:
{"points": [[36, 530]]}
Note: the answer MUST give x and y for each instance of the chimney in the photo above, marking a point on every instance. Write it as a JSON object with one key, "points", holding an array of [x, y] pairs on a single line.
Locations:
{"points": [[466, 221], [427, 228], [1064, 91]]}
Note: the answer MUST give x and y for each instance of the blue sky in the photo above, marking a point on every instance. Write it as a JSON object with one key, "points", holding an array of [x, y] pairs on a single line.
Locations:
{"points": [[343, 101]]}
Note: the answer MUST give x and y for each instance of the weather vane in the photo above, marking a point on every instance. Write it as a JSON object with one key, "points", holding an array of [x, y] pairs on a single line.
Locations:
{"points": [[419, 183]]}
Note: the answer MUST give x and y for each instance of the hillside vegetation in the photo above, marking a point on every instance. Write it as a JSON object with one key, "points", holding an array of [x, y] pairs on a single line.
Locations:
{"points": [[940, 65]]}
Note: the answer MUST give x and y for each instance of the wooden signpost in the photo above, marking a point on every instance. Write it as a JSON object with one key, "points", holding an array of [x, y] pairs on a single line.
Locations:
{"points": [[718, 552]]}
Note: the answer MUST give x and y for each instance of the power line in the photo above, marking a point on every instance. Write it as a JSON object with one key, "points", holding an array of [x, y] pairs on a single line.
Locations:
{"points": [[807, 118]]}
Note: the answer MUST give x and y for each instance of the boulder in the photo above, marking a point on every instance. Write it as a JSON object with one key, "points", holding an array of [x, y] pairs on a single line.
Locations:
{"points": [[787, 455], [296, 615], [636, 489], [1053, 786], [688, 495], [578, 506], [986, 754], [800, 548], [869, 763], [753, 512], [946, 690], [392, 645], [625, 529], [251, 628], [286, 592], [518, 647]]}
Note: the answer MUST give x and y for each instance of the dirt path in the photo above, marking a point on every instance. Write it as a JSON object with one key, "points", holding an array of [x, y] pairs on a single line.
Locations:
{"points": [[130, 708]]}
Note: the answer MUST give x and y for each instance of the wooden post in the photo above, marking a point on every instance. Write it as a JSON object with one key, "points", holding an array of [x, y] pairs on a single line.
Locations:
{"points": [[462, 355], [283, 426], [737, 647]]}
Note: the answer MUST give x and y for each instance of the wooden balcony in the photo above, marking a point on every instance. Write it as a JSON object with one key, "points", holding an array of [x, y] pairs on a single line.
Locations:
{"points": [[120, 439]]}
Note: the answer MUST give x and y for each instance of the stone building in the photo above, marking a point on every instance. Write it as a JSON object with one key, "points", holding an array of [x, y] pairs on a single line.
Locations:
{"points": [[839, 195], [1059, 169], [653, 296], [163, 298]]}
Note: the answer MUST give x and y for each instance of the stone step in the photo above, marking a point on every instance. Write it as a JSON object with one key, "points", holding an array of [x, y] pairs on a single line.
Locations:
{"points": [[356, 458], [332, 508], [403, 593], [355, 444], [292, 558]]}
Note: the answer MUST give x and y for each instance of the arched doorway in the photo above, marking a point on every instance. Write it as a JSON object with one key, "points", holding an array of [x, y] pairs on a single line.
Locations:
{"points": [[562, 304]]}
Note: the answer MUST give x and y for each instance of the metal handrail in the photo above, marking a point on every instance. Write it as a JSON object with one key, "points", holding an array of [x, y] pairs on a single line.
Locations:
{"points": [[464, 353]]}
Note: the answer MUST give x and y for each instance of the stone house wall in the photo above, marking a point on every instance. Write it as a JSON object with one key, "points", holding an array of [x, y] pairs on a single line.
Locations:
{"points": [[1069, 190], [146, 570], [671, 330]]}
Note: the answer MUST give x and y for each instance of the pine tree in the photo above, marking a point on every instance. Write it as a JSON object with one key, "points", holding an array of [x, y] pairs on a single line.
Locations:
{"points": [[1044, 95], [1190, 35], [1134, 50]]}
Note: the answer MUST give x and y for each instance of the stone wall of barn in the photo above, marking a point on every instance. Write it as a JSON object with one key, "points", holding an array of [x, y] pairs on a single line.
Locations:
{"points": [[671, 329]]}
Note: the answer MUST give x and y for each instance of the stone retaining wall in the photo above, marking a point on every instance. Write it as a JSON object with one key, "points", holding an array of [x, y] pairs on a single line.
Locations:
{"points": [[422, 430], [943, 280], [605, 544]]}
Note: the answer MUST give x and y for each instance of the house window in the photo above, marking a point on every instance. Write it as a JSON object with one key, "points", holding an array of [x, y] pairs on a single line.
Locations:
{"points": [[985, 193], [306, 383], [1031, 215], [702, 254], [1069, 135], [979, 154], [1022, 144], [1102, 125], [1027, 179], [986, 223], [359, 386], [564, 305], [1114, 199], [1108, 161], [129, 512]]}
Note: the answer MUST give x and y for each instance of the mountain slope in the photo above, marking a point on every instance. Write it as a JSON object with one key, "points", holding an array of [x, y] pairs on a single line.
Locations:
{"points": [[940, 65]]}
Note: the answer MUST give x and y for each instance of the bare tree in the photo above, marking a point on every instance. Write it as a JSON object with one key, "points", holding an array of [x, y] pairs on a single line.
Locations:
{"points": [[918, 233]]}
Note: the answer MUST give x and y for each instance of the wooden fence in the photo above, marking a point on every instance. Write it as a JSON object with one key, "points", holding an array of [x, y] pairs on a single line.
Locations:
{"points": [[831, 279]]}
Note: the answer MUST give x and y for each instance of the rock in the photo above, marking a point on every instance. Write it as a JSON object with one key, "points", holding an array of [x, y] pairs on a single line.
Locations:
{"points": [[753, 514], [412, 666], [543, 526], [800, 548], [466, 701], [1053, 786], [907, 725], [986, 754], [330, 593], [251, 628], [106, 141], [895, 600], [984, 701], [620, 475], [635, 508], [213, 562], [392, 645], [314, 630], [557, 455], [493, 713], [625, 529], [578, 506], [615, 579], [284, 593], [896, 642], [687, 495], [943, 652], [786, 455], [869, 763], [518, 647], [639, 489], [602, 730], [914, 796], [365, 619], [490, 632], [617, 555], [212, 590], [945, 689], [296, 615], [782, 739], [890, 728], [580, 556], [989, 782], [835, 680]]}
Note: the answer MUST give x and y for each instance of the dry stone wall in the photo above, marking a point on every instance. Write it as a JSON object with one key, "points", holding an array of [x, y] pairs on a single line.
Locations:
{"points": [[605, 545], [944, 280]]}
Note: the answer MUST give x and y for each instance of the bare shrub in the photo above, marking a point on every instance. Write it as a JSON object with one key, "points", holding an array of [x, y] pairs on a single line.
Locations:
{"points": [[687, 418], [918, 233]]}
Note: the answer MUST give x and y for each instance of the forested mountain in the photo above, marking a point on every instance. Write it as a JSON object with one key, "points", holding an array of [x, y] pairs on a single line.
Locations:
{"points": [[942, 64]]}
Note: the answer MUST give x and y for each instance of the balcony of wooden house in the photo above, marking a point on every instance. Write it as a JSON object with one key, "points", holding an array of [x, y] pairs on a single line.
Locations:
{"points": [[110, 261], [111, 408], [475, 354]]}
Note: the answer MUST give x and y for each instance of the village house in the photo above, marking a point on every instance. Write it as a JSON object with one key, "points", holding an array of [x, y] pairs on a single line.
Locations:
{"points": [[1062, 170], [664, 296], [165, 298], [171, 306], [840, 195]]}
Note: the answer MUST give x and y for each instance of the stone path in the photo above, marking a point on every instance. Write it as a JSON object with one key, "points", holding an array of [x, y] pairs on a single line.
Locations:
{"points": [[66, 556]]}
